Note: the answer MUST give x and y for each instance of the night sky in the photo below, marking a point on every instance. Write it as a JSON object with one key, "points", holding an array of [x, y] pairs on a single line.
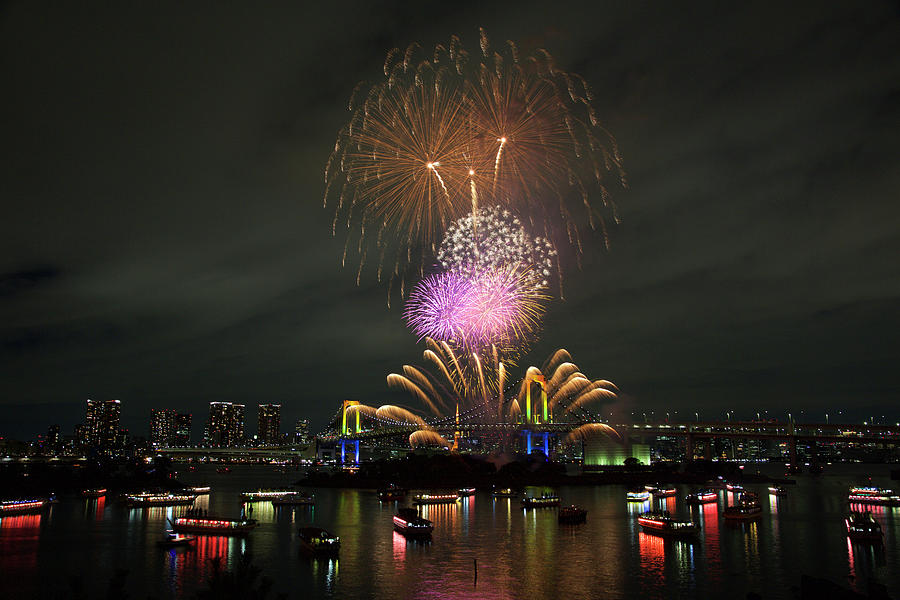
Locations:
{"points": [[164, 241]]}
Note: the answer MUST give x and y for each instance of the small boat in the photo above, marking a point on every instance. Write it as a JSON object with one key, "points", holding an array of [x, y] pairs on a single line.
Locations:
{"points": [[317, 541], [23, 507], [93, 492], [392, 493], [642, 496], [734, 487], [435, 498], [223, 470], [702, 497], [173, 540], [662, 523], [873, 495], [408, 522], [504, 493], [861, 526], [260, 495], [662, 492], [747, 507], [572, 515], [200, 490], [777, 490], [214, 526], [540, 501], [294, 499], [465, 492], [793, 468], [159, 499]]}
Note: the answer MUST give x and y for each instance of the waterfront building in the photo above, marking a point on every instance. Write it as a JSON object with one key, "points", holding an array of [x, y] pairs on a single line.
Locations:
{"points": [[226, 424], [162, 427], [269, 423], [101, 429], [301, 431], [183, 429], [54, 439]]}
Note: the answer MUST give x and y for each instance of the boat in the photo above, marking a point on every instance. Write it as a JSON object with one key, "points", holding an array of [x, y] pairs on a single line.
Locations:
{"points": [[213, 526], [200, 490], [435, 498], [408, 522], [318, 541], [173, 540], [465, 492], [260, 495], [734, 487], [777, 490], [702, 497], [793, 468], [862, 526], [93, 492], [294, 499], [662, 523], [159, 499], [641, 496], [572, 515], [392, 493], [662, 492], [504, 493], [873, 495], [223, 470], [540, 501], [745, 508], [816, 469], [24, 506]]}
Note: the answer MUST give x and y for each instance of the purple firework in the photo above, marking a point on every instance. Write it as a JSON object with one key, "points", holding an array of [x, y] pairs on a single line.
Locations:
{"points": [[436, 305]]}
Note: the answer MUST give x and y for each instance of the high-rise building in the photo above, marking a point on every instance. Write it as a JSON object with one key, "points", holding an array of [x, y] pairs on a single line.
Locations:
{"points": [[301, 431], [54, 439], [183, 429], [162, 427], [269, 423], [226, 424], [102, 424]]}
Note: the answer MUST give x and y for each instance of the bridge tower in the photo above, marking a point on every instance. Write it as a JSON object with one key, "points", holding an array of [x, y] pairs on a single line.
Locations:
{"points": [[348, 429], [536, 414]]}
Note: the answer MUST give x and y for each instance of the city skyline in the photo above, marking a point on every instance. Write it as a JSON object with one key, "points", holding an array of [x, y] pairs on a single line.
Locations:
{"points": [[754, 268]]}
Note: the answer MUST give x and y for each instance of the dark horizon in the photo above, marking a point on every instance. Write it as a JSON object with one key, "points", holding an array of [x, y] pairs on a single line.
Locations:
{"points": [[164, 240]]}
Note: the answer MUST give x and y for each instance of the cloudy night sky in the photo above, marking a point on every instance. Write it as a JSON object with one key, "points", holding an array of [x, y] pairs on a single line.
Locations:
{"points": [[164, 240]]}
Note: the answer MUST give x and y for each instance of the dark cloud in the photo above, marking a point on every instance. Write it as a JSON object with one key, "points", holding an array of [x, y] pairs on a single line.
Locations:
{"points": [[164, 242]]}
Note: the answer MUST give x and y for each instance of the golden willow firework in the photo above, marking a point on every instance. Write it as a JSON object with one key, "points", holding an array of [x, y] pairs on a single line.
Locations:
{"points": [[443, 133]]}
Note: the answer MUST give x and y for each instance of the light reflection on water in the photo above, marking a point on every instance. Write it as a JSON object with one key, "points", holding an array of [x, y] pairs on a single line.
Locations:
{"points": [[519, 553]]}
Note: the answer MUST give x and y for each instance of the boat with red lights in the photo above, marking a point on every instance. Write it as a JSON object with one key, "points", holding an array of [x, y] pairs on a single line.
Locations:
{"points": [[213, 526], [734, 487], [173, 540], [702, 497], [465, 492], [543, 501], [746, 507], [449, 498], [24, 506], [408, 522], [318, 541], [223, 470], [572, 515], [504, 493], [637, 496], [777, 490], [873, 495], [392, 493], [93, 493], [661, 492], [159, 499], [294, 499], [862, 527], [262, 495], [662, 523]]}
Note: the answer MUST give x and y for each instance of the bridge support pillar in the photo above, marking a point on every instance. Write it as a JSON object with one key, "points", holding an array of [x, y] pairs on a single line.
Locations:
{"points": [[708, 450], [689, 448], [547, 444], [528, 443], [792, 447], [814, 454]]}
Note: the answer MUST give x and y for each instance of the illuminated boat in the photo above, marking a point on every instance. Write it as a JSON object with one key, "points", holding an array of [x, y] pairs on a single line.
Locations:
{"points": [[572, 515], [408, 522], [662, 523], [861, 526], [24, 506], [294, 499], [213, 526], [260, 495], [777, 490], [173, 540], [223, 470], [874, 495], [392, 493], [747, 507], [200, 490], [641, 496], [465, 492], [734, 487], [158, 499], [93, 493], [661, 492], [504, 493], [540, 501], [435, 498], [702, 497], [316, 540]]}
